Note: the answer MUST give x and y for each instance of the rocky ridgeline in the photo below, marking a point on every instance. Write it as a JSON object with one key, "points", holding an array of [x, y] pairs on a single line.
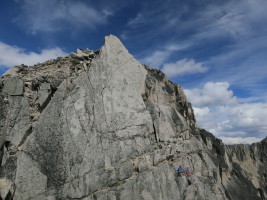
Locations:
{"points": [[98, 125]]}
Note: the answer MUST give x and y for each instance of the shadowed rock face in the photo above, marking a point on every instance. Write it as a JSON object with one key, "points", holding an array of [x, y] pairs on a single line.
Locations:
{"points": [[100, 125]]}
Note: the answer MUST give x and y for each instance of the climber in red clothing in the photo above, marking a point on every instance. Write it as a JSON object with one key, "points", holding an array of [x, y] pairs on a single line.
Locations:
{"points": [[187, 172]]}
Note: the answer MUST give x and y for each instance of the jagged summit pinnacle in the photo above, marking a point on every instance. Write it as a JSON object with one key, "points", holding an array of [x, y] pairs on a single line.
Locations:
{"points": [[113, 42], [100, 125]]}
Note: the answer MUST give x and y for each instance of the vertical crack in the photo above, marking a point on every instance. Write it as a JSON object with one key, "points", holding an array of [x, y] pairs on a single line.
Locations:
{"points": [[155, 133], [26, 135]]}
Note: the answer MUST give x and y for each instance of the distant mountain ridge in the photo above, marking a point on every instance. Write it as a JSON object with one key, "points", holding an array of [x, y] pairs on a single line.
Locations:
{"points": [[99, 125]]}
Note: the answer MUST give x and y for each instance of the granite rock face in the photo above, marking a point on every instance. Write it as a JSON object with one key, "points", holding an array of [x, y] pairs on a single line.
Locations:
{"points": [[100, 125]]}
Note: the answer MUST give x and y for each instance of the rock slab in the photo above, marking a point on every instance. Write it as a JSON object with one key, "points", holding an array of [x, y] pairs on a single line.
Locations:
{"points": [[14, 86]]}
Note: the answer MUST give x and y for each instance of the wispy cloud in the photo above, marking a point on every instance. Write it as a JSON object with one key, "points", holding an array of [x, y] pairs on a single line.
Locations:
{"points": [[184, 66], [11, 55], [229, 37], [138, 20], [244, 65], [157, 58], [55, 15]]}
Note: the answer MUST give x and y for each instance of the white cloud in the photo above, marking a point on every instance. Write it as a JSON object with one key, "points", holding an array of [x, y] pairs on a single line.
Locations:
{"points": [[211, 94], [240, 140], [11, 55], [54, 15], [184, 66], [220, 112], [202, 113], [246, 116]]}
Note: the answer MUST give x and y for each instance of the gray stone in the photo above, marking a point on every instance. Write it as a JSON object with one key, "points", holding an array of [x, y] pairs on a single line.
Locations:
{"points": [[44, 94], [5, 187], [14, 86], [19, 120], [29, 176]]}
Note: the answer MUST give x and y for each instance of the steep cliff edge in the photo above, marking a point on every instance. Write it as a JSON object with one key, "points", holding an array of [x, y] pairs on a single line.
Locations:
{"points": [[100, 125]]}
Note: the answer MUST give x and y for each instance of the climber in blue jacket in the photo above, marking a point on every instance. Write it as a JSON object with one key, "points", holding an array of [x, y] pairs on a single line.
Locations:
{"points": [[180, 170]]}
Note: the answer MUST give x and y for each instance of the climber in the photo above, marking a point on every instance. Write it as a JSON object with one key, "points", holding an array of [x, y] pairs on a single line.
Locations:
{"points": [[187, 172], [180, 170]]}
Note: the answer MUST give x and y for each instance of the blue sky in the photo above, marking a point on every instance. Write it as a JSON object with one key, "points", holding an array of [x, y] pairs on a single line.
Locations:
{"points": [[215, 49]]}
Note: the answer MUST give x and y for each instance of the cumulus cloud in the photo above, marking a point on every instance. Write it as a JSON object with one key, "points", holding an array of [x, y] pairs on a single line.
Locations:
{"points": [[220, 112], [184, 66], [247, 116], [202, 113], [217, 93], [11, 55], [54, 15]]}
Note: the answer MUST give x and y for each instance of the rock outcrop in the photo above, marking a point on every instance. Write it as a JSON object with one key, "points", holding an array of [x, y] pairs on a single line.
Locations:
{"points": [[99, 125], [250, 164]]}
